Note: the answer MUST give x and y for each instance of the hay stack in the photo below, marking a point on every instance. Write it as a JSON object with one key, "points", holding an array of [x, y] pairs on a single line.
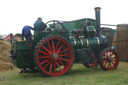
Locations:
{"points": [[5, 63]]}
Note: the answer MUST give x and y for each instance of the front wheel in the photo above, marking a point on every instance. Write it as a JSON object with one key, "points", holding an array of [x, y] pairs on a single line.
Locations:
{"points": [[108, 59]]}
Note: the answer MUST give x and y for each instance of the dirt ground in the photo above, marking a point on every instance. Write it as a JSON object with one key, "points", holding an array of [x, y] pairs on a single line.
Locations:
{"points": [[5, 63]]}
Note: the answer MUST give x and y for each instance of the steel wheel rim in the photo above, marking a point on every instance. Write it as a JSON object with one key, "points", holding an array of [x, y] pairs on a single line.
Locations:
{"points": [[110, 59], [57, 56]]}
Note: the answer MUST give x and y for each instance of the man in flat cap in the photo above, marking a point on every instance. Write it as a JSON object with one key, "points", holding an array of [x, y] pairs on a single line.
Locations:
{"points": [[39, 25]]}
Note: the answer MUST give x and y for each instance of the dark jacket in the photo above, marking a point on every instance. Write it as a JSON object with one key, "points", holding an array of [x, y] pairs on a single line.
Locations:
{"points": [[39, 26], [26, 31]]}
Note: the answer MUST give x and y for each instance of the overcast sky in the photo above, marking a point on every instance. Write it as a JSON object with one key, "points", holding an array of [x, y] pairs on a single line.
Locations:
{"points": [[14, 14]]}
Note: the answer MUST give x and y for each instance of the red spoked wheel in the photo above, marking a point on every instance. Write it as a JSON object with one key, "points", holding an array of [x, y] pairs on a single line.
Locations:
{"points": [[54, 56], [93, 62], [108, 59]]}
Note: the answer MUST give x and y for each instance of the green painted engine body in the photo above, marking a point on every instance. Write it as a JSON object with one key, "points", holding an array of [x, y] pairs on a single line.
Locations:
{"points": [[22, 55], [82, 46], [78, 24]]}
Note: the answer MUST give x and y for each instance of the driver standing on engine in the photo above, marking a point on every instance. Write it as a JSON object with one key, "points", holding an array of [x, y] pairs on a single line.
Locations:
{"points": [[39, 25]]}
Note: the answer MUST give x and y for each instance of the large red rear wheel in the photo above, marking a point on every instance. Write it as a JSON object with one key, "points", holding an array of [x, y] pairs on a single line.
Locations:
{"points": [[108, 59], [54, 56]]}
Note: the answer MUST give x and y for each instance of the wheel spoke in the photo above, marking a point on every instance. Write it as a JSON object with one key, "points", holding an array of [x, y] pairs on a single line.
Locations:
{"points": [[47, 64], [57, 44], [64, 59], [58, 66], [44, 61], [54, 66], [106, 58], [105, 64], [44, 57], [114, 59], [64, 50], [42, 52], [111, 53], [104, 61], [60, 48], [113, 63], [64, 55], [49, 46], [113, 56], [109, 65], [53, 46], [61, 62], [106, 54], [45, 48], [50, 68]]}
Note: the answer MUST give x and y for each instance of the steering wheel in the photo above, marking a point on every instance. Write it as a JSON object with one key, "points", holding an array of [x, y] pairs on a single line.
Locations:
{"points": [[54, 24]]}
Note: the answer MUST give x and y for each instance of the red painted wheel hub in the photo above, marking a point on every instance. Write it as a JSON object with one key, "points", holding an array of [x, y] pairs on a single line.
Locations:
{"points": [[109, 59], [55, 56]]}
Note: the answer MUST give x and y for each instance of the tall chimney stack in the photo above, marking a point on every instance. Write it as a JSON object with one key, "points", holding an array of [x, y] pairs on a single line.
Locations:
{"points": [[97, 14]]}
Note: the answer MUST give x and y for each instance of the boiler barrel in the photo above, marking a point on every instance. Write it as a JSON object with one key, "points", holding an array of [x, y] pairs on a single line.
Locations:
{"points": [[84, 43], [95, 43]]}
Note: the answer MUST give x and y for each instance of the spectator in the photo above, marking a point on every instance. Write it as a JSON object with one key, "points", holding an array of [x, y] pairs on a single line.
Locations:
{"points": [[39, 25], [26, 32]]}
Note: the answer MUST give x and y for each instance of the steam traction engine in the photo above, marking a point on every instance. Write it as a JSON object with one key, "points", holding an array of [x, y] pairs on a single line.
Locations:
{"points": [[54, 50]]}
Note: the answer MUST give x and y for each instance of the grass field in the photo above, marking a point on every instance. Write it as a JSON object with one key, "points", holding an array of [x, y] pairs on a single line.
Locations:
{"points": [[79, 75]]}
